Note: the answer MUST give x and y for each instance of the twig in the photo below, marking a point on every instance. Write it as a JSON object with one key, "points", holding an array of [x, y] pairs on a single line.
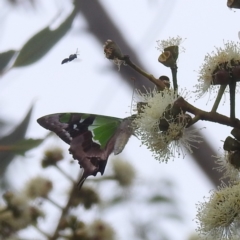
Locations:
{"points": [[174, 77], [208, 116], [160, 85], [64, 212], [218, 98]]}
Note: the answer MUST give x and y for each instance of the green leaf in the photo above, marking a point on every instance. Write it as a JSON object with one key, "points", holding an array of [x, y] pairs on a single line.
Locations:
{"points": [[160, 198], [174, 216], [21, 146], [36, 47], [116, 200], [5, 58], [17, 135]]}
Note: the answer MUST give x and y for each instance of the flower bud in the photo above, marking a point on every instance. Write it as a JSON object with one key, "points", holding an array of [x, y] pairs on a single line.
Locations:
{"points": [[236, 133], [174, 50], [230, 144], [163, 124], [233, 4], [234, 159], [167, 59], [52, 156], [124, 172], [87, 196], [221, 77], [236, 73], [38, 187], [112, 50], [166, 80]]}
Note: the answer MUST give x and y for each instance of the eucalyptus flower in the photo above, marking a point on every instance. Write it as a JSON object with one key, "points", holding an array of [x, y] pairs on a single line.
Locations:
{"points": [[162, 131], [171, 41], [218, 217], [124, 172], [38, 187], [100, 230], [169, 51], [225, 165], [219, 68]]}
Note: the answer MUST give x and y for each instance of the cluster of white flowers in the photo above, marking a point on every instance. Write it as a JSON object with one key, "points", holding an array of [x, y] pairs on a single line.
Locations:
{"points": [[164, 144], [227, 55]]}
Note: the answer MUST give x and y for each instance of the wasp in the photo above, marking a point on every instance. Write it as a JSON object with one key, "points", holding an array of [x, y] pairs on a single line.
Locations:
{"points": [[70, 58]]}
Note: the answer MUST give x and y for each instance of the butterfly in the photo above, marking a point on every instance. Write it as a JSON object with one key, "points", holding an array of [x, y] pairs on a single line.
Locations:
{"points": [[70, 58], [92, 138]]}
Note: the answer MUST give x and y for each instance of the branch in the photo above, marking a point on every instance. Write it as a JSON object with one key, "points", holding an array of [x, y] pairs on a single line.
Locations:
{"points": [[207, 116]]}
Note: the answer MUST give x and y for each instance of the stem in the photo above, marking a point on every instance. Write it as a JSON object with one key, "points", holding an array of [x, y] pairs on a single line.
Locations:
{"points": [[208, 116], [160, 85], [64, 212], [53, 202], [41, 231], [174, 77], [102, 178], [66, 175], [219, 97], [232, 87]]}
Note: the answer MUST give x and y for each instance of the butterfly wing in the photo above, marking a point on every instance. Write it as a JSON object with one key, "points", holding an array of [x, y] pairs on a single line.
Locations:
{"points": [[92, 138]]}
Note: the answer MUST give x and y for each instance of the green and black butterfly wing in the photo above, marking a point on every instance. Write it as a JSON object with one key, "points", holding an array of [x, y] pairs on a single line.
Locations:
{"points": [[92, 138]]}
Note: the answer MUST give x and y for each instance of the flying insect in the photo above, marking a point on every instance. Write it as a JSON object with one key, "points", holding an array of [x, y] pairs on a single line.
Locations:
{"points": [[70, 58]]}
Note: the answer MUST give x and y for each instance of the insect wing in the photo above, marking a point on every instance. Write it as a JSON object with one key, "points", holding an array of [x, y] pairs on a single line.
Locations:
{"points": [[92, 138]]}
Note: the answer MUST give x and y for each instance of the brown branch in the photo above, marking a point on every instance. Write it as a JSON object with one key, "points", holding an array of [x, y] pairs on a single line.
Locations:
{"points": [[207, 116], [65, 210], [160, 84]]}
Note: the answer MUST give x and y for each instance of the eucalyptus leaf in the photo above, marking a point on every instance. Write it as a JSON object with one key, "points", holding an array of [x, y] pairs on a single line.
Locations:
{"points": [[21, 146], [116, 200], [17, 134], [39, 45], [160, 199], [5, 58]]}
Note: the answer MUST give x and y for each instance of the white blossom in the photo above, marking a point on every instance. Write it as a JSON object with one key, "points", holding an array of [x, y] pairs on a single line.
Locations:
{"points": [[227, 55], [164, 144], [218, 217], [224, 165], [171, 41]]}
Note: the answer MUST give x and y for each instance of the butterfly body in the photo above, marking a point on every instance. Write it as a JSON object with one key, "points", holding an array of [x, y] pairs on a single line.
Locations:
{"points": [[92, 138]]}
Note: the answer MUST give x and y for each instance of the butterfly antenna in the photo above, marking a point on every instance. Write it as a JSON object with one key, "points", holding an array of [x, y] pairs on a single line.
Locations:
{"points": [[134, 82]]}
